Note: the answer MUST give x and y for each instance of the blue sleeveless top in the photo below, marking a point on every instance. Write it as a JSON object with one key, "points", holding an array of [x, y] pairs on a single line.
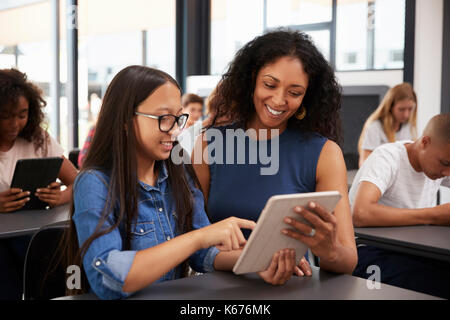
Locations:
{"points": [[242, 190]]}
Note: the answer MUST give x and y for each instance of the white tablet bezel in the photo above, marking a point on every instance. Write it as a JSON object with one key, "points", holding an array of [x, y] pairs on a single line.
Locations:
{"points": [[266, 238]]}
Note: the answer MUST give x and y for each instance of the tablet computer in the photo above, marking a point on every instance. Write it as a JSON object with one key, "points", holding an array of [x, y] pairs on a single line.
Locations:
{"points": [[266, 238], [32, 174]]}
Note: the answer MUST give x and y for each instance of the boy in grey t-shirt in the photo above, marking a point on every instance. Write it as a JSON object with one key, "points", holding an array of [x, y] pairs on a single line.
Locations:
{"points": [[397, 186]]}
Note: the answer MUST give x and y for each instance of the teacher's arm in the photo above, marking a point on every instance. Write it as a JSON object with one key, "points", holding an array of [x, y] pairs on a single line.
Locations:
{"points": [[331, 174], [200, 166], [333, 239]]}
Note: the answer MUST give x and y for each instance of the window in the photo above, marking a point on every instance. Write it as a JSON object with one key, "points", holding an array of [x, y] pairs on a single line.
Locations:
{"points": [[26, 46], [364, 35], [233, 24], [372, 31], [351, 57], [321, 39], [297, 12], [114, 35], [389, 34], [310, 16]]}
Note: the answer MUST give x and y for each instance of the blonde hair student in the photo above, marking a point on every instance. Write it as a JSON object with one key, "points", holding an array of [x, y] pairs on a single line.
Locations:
{"points": [[393, 120]]}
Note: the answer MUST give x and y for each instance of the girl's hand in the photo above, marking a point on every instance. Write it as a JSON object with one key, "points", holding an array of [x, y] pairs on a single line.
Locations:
{"points": [[9, 199], [322, 237], [51, 194], [303, 268], [225, 235], [281, 268]]}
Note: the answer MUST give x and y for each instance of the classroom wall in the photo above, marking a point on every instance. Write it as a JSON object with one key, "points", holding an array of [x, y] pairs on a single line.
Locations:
{"points": [[428, 64], [428, 59], [370, 78]]}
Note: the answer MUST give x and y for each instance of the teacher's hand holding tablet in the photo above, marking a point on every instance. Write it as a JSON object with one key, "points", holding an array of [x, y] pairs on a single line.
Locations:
{"points": [[320, 236]]}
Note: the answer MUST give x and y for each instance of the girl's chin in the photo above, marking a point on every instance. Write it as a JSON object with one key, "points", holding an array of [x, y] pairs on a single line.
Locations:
{"points": [[163, 156]]}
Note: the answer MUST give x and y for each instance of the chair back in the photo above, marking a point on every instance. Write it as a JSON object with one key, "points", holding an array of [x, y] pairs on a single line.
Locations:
{"points": [[43, 279], [73, 157]]}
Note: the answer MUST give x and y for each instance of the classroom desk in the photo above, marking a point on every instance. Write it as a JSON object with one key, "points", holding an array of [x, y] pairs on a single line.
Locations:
{"points": [[425, 241], [227, 286], [29, 221]]}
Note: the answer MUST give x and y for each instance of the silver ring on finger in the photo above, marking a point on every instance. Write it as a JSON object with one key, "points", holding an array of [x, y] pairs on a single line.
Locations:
{"points": [[312, 233]]}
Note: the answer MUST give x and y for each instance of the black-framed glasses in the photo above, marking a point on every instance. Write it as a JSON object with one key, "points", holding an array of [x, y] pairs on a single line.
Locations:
{"points": [[167, 121]]}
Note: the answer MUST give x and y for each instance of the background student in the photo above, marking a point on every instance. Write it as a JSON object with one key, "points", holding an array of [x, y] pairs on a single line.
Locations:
{"points": [[93, 110], [137, 217], [22, 137], [281, 81], [393, 120], [397, 186], [192, 105]]}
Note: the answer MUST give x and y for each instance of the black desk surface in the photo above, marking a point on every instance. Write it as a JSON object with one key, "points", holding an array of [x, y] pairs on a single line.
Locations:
{"points": [[21, 223], [428, 241], [227, 286]]}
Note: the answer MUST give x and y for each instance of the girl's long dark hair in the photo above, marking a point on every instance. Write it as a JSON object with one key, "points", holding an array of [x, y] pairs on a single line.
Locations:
{"points": [[233, 96], [113, 150]]}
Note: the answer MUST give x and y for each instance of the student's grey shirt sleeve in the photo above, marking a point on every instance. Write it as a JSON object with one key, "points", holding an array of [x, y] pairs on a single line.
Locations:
{"points": [[105, 263], [446, 182], [373, 137], [380, 169]]}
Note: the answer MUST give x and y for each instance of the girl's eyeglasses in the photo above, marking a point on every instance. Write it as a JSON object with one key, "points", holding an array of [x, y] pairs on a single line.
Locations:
{"points": [[167, 121]]}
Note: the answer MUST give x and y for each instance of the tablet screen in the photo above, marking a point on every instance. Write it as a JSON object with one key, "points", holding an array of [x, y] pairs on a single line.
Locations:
{"points": [[31, 174]]}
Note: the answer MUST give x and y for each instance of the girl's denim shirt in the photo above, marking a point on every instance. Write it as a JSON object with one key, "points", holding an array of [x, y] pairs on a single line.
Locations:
{"points": [[106, 263]]}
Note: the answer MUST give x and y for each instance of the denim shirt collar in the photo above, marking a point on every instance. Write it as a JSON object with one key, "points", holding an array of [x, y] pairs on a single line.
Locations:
{"points": [[162, 176]]}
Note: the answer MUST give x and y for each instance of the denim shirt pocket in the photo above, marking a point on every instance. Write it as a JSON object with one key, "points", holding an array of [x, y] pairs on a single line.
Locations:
{"points": [[143, 235]]}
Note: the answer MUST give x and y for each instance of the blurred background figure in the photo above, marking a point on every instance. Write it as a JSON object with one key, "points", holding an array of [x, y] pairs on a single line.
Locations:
{"points": [[393, 120], [94, 106], [193, 105]]}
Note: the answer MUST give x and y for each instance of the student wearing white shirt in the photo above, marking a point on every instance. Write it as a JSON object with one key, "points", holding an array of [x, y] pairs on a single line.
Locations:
{"points": [[397, 186], [393, 120]]}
